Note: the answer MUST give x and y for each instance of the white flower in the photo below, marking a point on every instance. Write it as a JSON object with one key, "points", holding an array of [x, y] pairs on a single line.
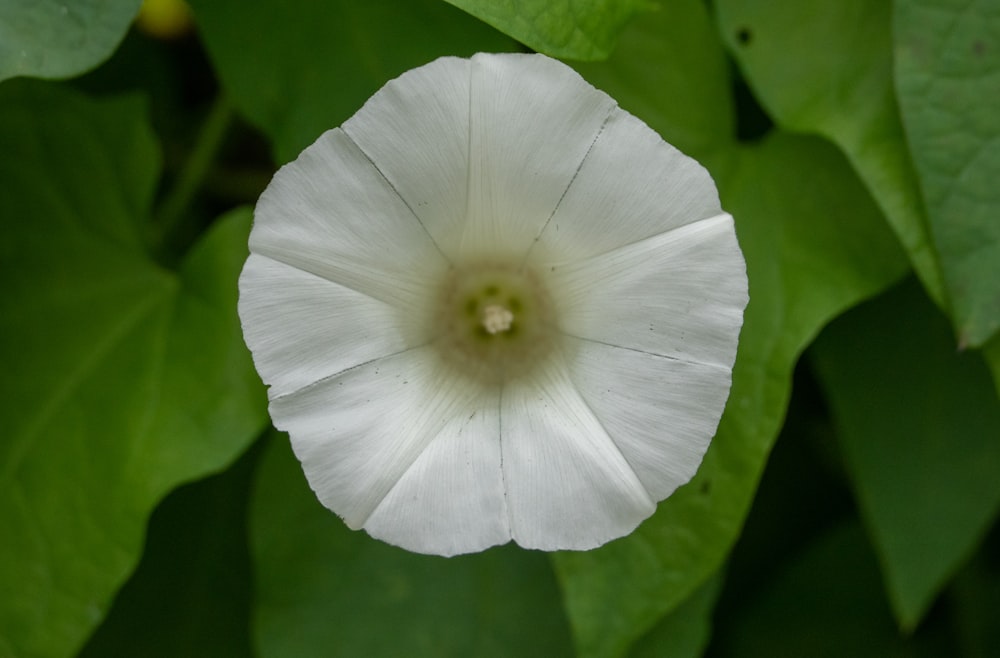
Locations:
{"points": [[494, 306]]}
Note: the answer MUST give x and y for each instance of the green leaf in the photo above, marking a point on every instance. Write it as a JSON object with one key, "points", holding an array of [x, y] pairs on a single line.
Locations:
{"points": [[314, 64], [685, 632], [323, 590], [815, 245], [948, 78], [826, 68], [121, 379], [191, 593], [920, 431], [58, 38], [825, 604], [671, 70], [573, 29]]}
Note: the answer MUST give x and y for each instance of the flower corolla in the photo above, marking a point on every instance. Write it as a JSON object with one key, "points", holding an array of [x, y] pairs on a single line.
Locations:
{"points": [[494, 306]]}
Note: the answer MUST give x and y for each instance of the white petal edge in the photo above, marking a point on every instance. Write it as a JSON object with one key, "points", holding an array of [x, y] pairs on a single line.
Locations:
{"points": [[451, 500], [331, 213], [660, 412], [568, 485], [631, 186], [302, 328], [679, 294], [415, 130], [358, 433], [532, 121]]}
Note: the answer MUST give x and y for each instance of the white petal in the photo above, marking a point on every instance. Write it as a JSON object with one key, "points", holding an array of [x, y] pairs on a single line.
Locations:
{"points": [[661, 413], [631, 186], [302, 328], [568, 485], [358, 433], [451, 500], [331, 213], [416, 131], [532, 121], [679, 294]]}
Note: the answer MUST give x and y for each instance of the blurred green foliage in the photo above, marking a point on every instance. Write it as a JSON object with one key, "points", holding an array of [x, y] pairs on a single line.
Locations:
{"points": [[313, 64], [853, 142]]}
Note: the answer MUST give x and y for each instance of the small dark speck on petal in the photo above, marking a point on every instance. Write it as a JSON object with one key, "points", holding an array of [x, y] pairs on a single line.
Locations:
{"points": [[978, 48], [744, 36]]}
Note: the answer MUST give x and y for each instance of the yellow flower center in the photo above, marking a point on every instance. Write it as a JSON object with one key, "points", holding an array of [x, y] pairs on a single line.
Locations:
{"points": [[494, 323]]}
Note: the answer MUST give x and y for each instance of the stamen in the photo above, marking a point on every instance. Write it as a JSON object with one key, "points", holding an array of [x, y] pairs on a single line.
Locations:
{"points": [[496, 318], [493, 323]]}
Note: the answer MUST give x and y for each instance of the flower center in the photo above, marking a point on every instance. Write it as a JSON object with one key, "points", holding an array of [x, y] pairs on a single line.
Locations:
{"points": [[493, 323], [496, 318]]}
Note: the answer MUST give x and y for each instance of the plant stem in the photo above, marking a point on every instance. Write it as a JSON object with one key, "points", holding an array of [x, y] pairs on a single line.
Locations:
{"points": [[174, 211]]}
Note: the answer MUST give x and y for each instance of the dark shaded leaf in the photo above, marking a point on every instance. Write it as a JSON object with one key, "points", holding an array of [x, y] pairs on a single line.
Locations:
{"points": [[920, 430]]}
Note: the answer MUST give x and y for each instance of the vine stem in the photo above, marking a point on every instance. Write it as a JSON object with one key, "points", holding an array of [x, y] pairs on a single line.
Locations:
{"points": [[170, 217]]}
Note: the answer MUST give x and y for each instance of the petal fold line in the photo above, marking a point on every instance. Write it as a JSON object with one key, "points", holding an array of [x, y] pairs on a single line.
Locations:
{"points": [[396, 191], [318, 382]]}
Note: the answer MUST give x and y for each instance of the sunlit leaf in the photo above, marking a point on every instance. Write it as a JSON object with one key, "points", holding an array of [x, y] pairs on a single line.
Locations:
{"points": [[301, 67], [948, 76], [60, 38], [826, 68], [323, 590], [574, 29], [121, 379], [920, 430]]}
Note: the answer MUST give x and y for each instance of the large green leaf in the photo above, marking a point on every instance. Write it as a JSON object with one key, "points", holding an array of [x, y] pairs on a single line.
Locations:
{"points": [[574, 29], [920, 430], [815, 245], [948, 78], [825, 67], [121, 378], [323, 590], [58, 38], [301, 67]]}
